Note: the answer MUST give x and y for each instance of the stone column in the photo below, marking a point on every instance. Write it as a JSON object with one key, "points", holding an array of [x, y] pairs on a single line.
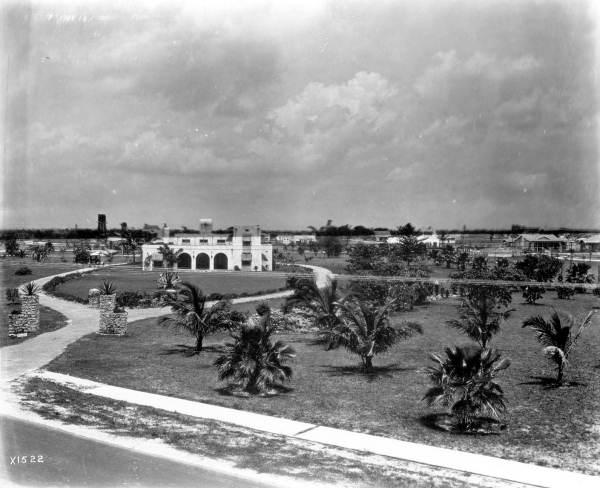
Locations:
{"points": [[16, 325], [107, 305], [30, 311]]}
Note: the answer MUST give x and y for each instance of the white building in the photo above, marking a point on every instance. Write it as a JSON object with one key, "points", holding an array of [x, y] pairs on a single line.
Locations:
{"points": [[242, 250]]}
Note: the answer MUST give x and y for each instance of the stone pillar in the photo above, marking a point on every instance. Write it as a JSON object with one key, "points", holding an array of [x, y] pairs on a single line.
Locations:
{"points": [[17, 327], [120, 323], [94, 298], [30, 312], [107, 305]]}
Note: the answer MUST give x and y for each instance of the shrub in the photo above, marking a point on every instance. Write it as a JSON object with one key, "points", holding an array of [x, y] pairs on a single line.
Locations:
{"points": [[253, 363], [531, 294], [129, 298], [23, 270], [564, 292], [464, 380]]}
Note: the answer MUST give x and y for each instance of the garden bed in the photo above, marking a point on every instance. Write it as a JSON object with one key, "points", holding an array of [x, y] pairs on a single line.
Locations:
{"points": [[547, 426]]}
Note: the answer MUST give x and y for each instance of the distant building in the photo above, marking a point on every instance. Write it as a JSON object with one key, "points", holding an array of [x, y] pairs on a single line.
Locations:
{"points": [[241, 250], [538, 242], [589, 243], [382, 235], [287, 239], [102, 225]]}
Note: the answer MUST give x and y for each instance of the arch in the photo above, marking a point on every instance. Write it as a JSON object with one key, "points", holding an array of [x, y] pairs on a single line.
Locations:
{"points": [[202, 261], [184, 261], [220, 261]]}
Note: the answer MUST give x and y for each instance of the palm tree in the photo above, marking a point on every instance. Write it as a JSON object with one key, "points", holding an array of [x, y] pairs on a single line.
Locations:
{"points": [[169, 255], [190, 313], [464, 380], [481, 317], [557, 336], [253, 362], [365, 329], [322, 304]]}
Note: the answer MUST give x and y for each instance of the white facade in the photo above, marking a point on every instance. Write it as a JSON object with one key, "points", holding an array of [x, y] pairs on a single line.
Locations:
{"points": [[242, 250]]}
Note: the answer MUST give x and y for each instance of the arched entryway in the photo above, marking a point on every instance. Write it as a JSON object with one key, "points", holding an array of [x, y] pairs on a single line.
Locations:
{"points": [[184, 261], [220, 261], [202, 261]]}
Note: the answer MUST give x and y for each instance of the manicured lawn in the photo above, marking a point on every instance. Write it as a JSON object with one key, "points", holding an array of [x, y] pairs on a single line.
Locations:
{"points": [[49, 319], [554, 427], [134, 279], [9, 265]]}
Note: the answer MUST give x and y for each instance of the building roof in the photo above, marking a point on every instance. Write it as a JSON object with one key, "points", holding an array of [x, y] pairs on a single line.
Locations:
{"points": [[540, 238]]}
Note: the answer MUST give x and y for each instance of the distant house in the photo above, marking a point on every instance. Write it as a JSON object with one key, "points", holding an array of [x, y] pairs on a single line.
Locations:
{"points": [[382, 235], [434, 240], [589, 244], [287, 239], [538, 242]]}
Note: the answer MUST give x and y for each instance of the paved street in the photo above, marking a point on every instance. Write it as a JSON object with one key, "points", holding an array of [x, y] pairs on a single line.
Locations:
{"points": [[69, 460]]}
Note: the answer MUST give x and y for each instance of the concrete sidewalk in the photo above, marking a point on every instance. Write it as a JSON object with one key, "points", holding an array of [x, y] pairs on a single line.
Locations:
{"points": [[501, 469]]}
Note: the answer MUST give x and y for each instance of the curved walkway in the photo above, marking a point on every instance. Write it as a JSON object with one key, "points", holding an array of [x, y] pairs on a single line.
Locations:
{"points": [[34, 353]]}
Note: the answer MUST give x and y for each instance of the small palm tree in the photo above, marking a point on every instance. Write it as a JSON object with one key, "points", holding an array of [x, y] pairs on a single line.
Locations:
{"points": [[253, 362], [322, 304], [30, 288], [107, 288], [481, 316], [464, 381], [557, 336], [190, 314], [365, 329]]}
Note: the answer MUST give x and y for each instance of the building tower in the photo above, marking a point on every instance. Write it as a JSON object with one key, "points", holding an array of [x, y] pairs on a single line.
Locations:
{"points": [[102, 225]]}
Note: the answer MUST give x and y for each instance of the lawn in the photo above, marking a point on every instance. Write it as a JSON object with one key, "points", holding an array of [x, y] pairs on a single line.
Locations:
{"points": [[9, 265], [49, 319], [134, 279], [554, 427]]}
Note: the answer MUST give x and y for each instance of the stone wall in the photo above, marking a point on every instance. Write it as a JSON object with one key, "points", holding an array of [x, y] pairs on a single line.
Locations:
{"points": [[94, 298]]}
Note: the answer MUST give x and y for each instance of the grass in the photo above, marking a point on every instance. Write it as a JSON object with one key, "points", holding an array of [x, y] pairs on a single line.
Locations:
{"points": [[554, 427], [135, 279], [50, 320], [255, 450]]}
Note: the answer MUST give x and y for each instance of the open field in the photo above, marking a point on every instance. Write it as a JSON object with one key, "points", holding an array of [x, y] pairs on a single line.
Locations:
{"points": [[134, 279], [553, 427]]}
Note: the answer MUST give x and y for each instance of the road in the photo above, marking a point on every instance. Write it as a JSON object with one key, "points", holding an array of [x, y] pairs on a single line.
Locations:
{"points": [[73, 461]]}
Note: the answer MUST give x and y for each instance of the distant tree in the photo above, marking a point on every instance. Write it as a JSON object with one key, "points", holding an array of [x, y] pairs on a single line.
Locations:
{"points": [[169, 255], [461, 260], [532, 294], [448, 255], [364, 257], [539, 267], [332, 246], [38, 253], [410, 248], [407, 230], [578, 273], [11, 245], [129, 246], [81, 254]]}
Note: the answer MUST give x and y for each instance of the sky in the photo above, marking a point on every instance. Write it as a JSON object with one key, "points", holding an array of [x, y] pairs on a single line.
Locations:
{"points": [[287, 114]]}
